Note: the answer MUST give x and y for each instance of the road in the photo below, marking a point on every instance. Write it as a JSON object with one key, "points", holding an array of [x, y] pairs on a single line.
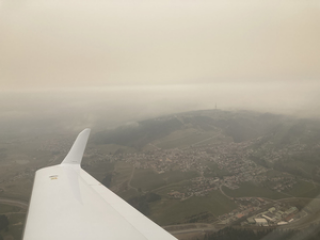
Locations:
{"points": [[191, 229], [131, 176], [220, 187], [14, 202]]}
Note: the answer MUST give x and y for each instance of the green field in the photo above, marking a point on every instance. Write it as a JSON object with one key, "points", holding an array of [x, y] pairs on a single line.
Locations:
{"points": [[130, 193], [150, 180], [301, 188], [180, 186], [122, 172], [305, 167], [251, 190], [314, 193], [170, 211], [99, 170], [19, 190]]}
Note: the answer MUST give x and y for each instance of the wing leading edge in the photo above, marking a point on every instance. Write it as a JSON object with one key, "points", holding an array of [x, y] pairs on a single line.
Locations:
{"points": [[67, 203]]}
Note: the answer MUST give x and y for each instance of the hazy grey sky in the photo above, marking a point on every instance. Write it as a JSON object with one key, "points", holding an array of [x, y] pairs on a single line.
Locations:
{"points": [[160, 56], [57, 43]]}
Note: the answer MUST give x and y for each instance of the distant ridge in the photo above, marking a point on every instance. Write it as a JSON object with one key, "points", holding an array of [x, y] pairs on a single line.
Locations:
{"points": [[238, 125]]}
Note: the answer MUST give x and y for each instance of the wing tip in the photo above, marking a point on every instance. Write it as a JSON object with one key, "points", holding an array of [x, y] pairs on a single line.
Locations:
{"points": [[76, 152]]}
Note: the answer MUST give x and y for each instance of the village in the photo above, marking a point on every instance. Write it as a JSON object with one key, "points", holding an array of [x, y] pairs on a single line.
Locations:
{"points": [[222, 166], [219, 166], [226, 165]]}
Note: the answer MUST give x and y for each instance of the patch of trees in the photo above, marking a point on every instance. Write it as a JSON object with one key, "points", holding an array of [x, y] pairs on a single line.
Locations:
{"points": [[203, 122], [141, 203], [152, 197], [290, 168], [292, 165], [241, 129], [140, 135], [311, 156], [4, 222]]}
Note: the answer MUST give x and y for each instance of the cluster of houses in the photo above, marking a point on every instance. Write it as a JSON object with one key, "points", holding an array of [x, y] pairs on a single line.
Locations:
{"points": [[247, 207], [230, 162], [252, 214], [281, 184], [274, 216]]}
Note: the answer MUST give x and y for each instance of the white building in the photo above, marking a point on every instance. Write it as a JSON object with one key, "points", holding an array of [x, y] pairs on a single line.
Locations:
{"points": [[282, 223], [261, 222]]}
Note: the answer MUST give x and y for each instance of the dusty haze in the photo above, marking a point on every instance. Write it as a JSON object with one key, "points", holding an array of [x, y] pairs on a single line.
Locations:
{"points": [[73, 64]]}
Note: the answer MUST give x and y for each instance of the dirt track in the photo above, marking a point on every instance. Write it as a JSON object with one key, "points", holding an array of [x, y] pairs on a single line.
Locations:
{"points": [[14, 202]]}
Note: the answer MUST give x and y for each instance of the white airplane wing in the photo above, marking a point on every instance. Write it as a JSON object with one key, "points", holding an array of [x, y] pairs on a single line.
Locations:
{"points": [[67, 203]]}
